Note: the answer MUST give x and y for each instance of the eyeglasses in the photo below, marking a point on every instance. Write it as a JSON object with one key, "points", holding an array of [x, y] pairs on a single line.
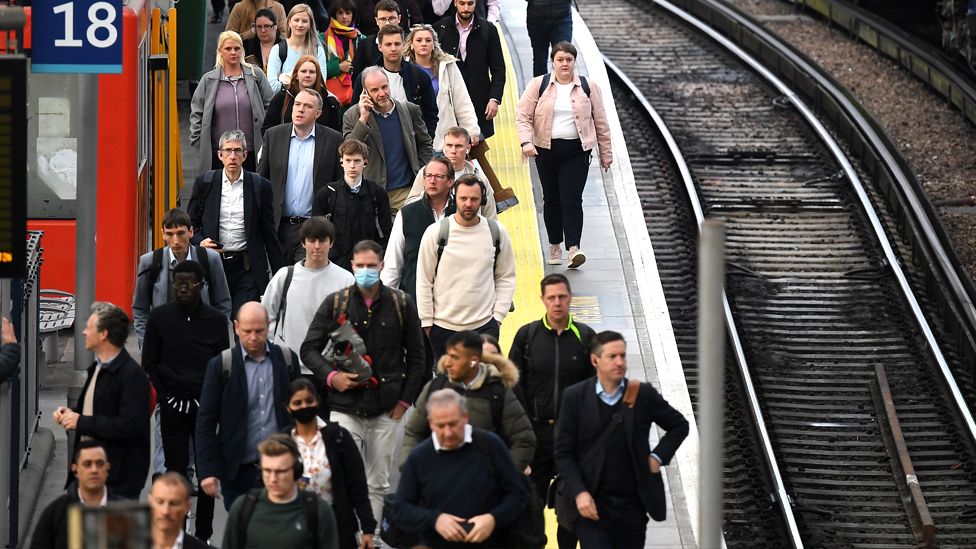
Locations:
{"points": [[387, 20], [264, 27], [435, 176], [186, 286], [237, 151]]}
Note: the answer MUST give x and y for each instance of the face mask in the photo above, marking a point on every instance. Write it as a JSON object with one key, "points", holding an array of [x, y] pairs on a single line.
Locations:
{"points": [[305, 415], [367, 277]]}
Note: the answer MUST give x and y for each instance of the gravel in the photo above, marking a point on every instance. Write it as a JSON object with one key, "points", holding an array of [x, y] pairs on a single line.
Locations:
{"points": [[938, 144]]}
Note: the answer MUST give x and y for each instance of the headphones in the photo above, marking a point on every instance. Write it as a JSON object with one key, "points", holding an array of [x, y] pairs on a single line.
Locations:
{"points": [[466, 178], [288, 442]]}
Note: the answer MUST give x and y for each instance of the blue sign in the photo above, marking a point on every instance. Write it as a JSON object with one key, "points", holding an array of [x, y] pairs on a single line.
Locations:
{"points": [[77, 36]]}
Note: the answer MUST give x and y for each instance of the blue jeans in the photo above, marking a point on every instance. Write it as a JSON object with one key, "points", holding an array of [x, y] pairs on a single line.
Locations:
{"points": [[542, 34]]}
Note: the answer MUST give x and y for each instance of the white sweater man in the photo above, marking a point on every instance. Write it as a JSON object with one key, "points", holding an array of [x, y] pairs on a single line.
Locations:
{"points": [[470, 283], [311, 281]]}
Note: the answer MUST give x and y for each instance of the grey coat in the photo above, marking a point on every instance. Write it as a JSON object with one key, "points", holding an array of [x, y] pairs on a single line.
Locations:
{"points": [[202, 105], [160, 288], [415, 137]]}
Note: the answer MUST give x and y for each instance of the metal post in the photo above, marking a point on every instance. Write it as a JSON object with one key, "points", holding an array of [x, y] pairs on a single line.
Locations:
{"points": [[86, 213], [711, 383]]}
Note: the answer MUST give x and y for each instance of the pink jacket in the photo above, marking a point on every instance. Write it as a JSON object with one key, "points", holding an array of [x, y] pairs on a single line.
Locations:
{"points": [[533, 116]]}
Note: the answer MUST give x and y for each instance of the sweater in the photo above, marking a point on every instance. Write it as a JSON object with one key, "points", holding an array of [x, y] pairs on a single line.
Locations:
{"points": [[471, 285], [279, 525], [308, 288], [179, 345], [458, 482]]}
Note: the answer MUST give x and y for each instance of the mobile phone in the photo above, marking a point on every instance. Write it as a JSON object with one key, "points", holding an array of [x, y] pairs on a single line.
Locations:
{"points": [[468, 526], [217, 244]]}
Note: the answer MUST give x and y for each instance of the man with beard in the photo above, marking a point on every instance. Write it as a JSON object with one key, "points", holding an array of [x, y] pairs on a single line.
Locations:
{"points": [[465, 270]]}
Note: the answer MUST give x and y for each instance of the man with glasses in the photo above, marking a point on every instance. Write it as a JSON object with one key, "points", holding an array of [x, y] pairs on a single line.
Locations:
{"points": [[386, 12], [181, 337], [457, 145], [266, 35], [232, 211]]}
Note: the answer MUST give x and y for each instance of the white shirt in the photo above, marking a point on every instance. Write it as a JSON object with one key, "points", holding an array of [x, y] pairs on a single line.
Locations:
{"points": [[231, 230], [563, 119], [467, 439], [178, 544], [393, 258], [317, 475], [396, 85], [102, 503]]}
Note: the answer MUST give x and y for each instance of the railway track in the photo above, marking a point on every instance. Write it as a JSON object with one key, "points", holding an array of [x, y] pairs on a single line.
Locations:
{"points": [[816, 289]]}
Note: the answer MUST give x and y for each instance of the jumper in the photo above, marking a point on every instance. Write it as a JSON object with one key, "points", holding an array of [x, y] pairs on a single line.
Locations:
{"points": [[398, 172], [178, 346], [280, 525]]}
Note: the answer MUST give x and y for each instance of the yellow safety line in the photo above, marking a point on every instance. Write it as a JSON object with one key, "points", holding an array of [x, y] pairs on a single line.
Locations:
{"points": [[521, 222]]}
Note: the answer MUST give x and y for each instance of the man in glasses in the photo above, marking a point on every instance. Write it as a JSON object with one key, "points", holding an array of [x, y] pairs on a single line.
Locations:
{"points": [[232, 211], [457, 145], [181, 338]]}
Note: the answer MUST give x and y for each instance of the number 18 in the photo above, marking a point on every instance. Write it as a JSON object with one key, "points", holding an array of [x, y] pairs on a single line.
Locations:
{"points": [[69, 40]]}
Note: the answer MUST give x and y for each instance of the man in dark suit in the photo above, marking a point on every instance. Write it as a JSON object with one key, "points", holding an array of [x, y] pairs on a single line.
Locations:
{"points": [[615, 486], [299, 159], [169, 502], [232, 212], [480, 59], [114, 402], [242, 406], [398, 142]]}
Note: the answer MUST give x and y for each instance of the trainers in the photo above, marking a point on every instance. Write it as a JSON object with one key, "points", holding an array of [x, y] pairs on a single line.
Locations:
{"points": [[576, 257], [555, 255]]}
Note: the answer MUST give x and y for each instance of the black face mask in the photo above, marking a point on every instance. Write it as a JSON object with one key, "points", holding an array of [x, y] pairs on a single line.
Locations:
{"points": [[305, 415]]}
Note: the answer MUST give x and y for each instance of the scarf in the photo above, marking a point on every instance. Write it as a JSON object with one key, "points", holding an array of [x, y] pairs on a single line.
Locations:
{"points": [[338, 30]]}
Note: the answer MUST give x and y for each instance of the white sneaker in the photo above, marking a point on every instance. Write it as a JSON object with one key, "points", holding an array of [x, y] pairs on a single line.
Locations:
{"points": [[576, 257], [555, 255]]}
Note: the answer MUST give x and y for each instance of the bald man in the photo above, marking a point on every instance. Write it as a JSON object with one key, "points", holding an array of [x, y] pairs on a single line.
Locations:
{"points": [[235, 411]]}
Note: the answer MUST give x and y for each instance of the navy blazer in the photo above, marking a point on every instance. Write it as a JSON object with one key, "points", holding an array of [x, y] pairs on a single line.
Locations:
{"points": [[259, 226], [219, 453], [579, 427]]}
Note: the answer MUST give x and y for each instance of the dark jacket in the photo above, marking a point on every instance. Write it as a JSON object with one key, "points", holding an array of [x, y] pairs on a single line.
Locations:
{"points": [[120, 420], [364, 215], [350, 492], [224, 404], [416, 86], [274, 161], [549, 9], [515, 429], [331, 116], [366, 15], [484, 67], [252, 48], [260, 229], [416, 141], [178, 347], [367, 54], [51, 531], [580, 426], [394, 341], [417, 216], [9, 361], [545, 357]]}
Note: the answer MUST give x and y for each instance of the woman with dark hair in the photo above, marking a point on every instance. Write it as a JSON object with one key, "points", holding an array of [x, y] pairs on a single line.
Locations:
{"points": [[333, 467], [258, 47], [308, 74], [243, 14], [342, 39], [560, 119], [489, 344]]}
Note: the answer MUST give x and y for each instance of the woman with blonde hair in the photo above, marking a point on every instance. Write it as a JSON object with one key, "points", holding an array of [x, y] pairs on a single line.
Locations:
{"points": [[243, 13], [454, 106], [232, 96], [303, 39], [308, 75]]}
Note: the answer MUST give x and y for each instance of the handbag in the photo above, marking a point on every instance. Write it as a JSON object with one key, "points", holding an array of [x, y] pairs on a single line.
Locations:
{"points": [[390, 533], [558, 497]]}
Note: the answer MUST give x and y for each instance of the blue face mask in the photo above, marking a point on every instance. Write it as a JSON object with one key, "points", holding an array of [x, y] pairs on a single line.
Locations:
{"points": [[366, 277]]}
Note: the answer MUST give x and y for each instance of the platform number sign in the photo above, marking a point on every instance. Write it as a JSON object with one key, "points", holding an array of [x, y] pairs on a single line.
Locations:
{"points": [[77, 36]]}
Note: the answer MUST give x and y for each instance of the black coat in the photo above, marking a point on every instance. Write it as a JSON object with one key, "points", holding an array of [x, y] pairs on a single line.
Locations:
{"points": [[416, 86], [580, 426], [219, 454], [396, 349], [484, 67], [252, 48], [410, 14], [259, 223], [357, 216], [9, 361], [120, 420], [51, 531], [331, 116]]}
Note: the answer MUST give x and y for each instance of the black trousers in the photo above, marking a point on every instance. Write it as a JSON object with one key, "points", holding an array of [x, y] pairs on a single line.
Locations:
{"points": [[439, 336], [291, 244], [241, 282], [622, 524], [562, 171], [176, 429], [544, 470]]}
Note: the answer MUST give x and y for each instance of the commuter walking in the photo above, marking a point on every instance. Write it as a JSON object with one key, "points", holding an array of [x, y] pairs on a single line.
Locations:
{"points": [[307, 75], [169, 503], [242, 402], [257, 48], [344, 43], [114, 402], [302, 39], [333, 467], [609, 478], [548, 23], [560, 119], [243, 14], [457, 144], [233, 96], [369, 404]]}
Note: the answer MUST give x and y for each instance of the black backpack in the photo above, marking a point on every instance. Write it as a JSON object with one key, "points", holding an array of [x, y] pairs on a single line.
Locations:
{"points": [[310, 505], [156, 267], [330, 201], [545, 84]]}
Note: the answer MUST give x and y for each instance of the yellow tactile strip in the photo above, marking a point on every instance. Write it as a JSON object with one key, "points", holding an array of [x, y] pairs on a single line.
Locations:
{"points": [[521, 222]]}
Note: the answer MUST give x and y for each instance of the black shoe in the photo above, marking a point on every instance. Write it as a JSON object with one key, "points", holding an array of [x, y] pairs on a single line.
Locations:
{"points": [[216, 18]]}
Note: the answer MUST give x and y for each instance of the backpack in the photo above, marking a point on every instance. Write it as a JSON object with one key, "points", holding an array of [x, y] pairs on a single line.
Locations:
{"points": [[496, 399], [156, 268], [283, 301], [340, 303], [444, 232], [545, 84], [330, 205], [310, 506]]}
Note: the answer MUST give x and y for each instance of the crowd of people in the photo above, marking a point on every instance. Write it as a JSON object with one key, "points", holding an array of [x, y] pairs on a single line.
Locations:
{"points": [[337, 284]]}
